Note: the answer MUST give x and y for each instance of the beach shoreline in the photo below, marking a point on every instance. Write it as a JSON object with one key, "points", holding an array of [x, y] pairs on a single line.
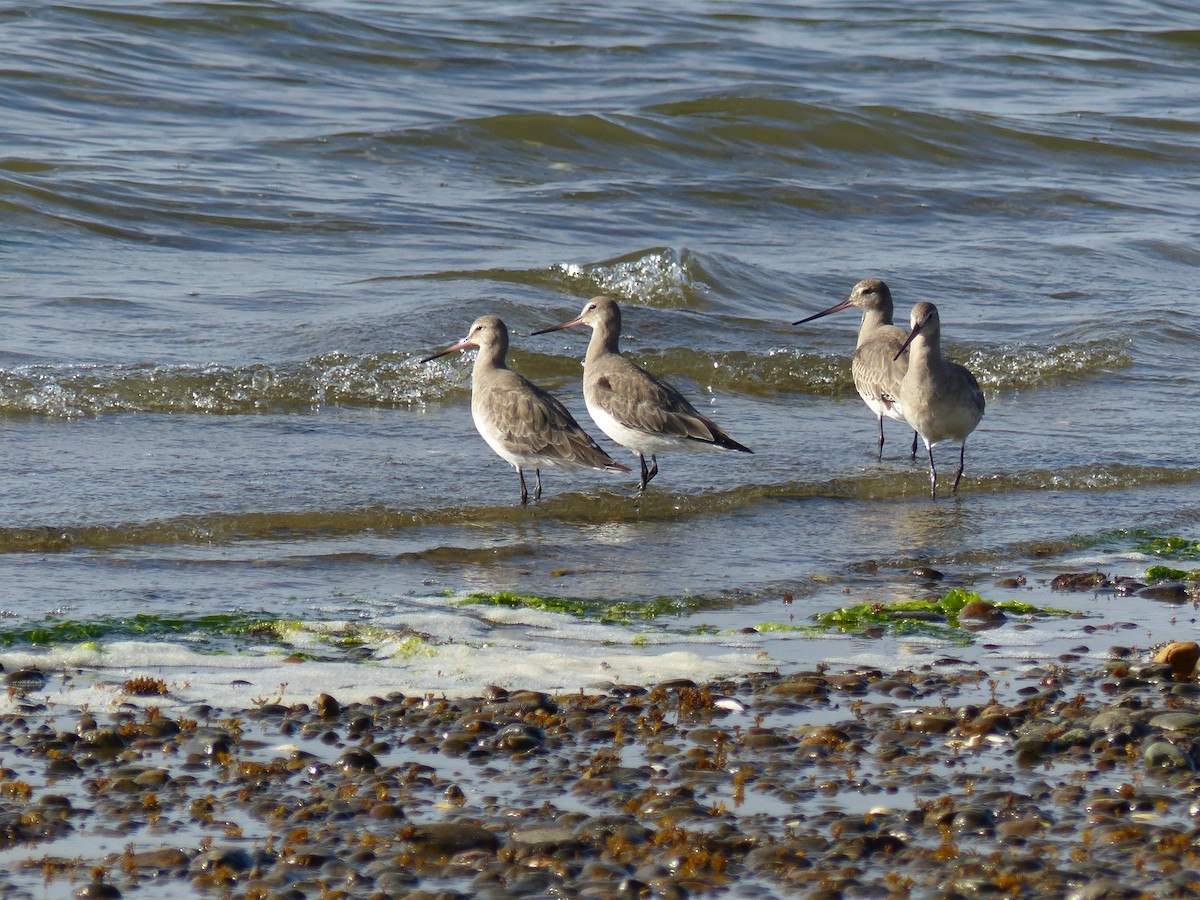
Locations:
{"points": [[1071, 778]]}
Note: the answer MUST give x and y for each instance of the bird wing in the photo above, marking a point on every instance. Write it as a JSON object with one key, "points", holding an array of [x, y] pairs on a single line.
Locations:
{"points": [[976, 392], [877, 373], [639, 401], [530, 420]]}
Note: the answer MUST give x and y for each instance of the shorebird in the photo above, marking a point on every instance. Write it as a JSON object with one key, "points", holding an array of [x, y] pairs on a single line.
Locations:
{"points": [[520, 421], [631, 406], [876, 369], [941, 399]]}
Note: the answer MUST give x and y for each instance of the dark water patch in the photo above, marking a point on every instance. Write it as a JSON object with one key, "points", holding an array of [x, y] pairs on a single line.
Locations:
{"points": [[704, 141], [598, 508], [455, 557], [1187, 38], [1113, 542], [197, 216]]}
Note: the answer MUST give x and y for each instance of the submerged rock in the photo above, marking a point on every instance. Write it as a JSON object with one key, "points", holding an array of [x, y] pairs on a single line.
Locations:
{"points": [[1079, 581]]}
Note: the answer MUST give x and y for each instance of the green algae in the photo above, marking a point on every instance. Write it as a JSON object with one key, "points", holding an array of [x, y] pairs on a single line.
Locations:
{"points": [[936, 617], [1173, 546], [616, 612], [1156, 574], [54, 631], [413, 647]]}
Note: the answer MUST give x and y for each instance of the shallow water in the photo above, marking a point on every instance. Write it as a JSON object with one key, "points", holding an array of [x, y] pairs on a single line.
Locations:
{"points": [[232, 230]]}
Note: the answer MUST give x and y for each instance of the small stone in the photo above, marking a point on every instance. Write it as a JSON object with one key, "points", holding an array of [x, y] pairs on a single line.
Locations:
{"points": [[979, 614], [98, 889], [25, 680], [357, 759], [386, 811], [1112, 720], [448, 838], [102, 740], [164, 859], [930, 723], [1176, 721], [327, 707], [1169, 592], [1164, 755], [63, 767], [542, 835], [233, 858], [518, 738]]}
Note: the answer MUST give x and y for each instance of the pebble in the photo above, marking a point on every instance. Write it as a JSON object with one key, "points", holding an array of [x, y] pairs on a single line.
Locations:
{"points": [[972, 780], [28, 680]]}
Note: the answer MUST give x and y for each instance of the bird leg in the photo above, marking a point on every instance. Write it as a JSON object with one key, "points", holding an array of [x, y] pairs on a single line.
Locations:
{"points": [[912, 455], [881, 438], [932, 473], [537, 489], [524, 490], [647, 473], [962, 456]]}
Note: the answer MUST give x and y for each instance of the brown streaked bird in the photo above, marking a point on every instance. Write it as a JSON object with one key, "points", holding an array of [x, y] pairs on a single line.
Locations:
{"points": [[521, 422], [941, 399], [876, 368], [631, 406]]}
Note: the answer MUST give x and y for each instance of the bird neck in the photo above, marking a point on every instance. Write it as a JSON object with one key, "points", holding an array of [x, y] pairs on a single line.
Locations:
{"points": [[490, 357], [606, 338], [871, 320], [925, 351]]}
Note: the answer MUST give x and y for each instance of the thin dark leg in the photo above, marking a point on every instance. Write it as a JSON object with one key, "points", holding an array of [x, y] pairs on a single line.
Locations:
{"points": [[524, 490], [645, 474], [962, 458], [653, 467], [932, 474], [881, 438], [912, 455], [537, 489]]}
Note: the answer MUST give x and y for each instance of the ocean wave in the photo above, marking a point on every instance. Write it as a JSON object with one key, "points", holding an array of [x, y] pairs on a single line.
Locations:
{"points": [[655, 276], [332, 379], [395, 380], [1010, 367], [696, 131]]}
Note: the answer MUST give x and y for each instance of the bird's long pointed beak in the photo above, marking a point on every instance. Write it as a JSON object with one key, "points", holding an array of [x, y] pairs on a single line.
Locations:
{"points": [[570, 324], [908, 340], [845, 304], [461, 345]]}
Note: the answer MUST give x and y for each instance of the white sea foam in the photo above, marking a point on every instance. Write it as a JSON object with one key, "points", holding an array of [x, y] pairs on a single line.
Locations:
{"points": [[94, 674]]}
